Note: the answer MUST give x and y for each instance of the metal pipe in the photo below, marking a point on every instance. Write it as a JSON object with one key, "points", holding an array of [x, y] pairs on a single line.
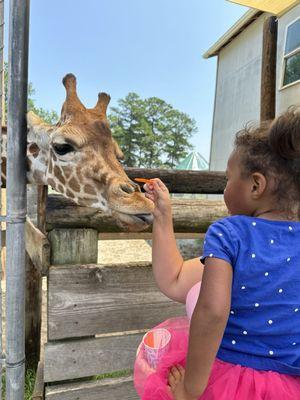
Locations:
{"points": [[2, 357], [16, 198]]}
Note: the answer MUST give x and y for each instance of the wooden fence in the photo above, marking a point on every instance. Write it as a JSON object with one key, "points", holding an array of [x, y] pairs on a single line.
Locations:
{"points": [[97, 314]]}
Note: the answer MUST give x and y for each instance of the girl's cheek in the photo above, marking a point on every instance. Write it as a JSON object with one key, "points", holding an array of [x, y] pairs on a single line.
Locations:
{"points": [[227, 197]]}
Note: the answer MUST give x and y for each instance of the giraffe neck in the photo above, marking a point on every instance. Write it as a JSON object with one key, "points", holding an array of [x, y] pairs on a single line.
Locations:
{"points": [[36, 164]]}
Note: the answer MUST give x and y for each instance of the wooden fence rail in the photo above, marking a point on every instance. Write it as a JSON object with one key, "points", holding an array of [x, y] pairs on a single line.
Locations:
{"points": [[188, 215]]}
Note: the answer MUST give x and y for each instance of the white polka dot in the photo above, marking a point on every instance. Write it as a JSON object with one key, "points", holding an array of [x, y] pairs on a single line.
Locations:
{"points": [[296, 309], [204, 241], [220, 234], [256, 304], [233, 342], [266, 273], [290, 228], [243, 287], [288, 259], [211, 254], [253, 255], [270, 322], [245, 333], [271, 241], [271, 352], [294, 344], [280, 290], [232, 312], [253, 223]]}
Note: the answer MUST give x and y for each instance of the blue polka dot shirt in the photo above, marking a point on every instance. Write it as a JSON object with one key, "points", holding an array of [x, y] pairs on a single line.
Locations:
{"points": [[263, 329]]}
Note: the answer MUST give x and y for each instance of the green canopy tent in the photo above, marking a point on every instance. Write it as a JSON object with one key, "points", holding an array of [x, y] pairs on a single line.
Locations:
{"points": [[195, 162]]}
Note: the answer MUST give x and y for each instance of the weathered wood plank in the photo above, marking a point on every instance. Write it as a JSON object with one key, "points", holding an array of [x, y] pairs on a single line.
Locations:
{"points": [[188, 215], [88, 357], [85, 300], [73, 246], [38, 391], [145, 235], [177, 181], [37, 247], [106, 389], [33, 301], [42, 195], [206, 182]]}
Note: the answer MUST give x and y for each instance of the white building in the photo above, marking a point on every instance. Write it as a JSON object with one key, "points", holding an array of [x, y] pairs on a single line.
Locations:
{"points": [[239, 75]]}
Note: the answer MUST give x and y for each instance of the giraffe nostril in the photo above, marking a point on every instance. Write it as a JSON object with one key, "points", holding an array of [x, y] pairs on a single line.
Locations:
{"points": [[127, 188]]}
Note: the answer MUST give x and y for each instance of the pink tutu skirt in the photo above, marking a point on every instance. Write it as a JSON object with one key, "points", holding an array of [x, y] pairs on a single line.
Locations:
{"points": [[227, 381]]}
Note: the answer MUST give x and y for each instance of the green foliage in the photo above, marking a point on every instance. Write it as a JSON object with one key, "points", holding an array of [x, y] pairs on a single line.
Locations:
{"points": [[29, 383], [150, 132], [292, 70], [50, 117]]}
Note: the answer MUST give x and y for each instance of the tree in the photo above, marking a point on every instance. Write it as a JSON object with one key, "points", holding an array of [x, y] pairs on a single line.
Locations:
{"points": [[127, 127], [151, 132], [51, 117], [180, 128]]}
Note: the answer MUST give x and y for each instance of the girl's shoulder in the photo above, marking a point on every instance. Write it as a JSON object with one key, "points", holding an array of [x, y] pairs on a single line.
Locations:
{"points": [[244, 224]]}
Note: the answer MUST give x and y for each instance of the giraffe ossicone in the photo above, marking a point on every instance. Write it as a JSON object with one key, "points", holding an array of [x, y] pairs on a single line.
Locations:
{"points": [[79, 158]]}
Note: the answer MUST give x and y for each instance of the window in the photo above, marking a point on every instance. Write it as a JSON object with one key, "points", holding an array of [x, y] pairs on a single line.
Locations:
{"points": [[292, 54]]}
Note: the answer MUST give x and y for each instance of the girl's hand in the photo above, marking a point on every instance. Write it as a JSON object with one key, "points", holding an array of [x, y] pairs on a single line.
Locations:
{"points": [[157, 191], [176, 384]]}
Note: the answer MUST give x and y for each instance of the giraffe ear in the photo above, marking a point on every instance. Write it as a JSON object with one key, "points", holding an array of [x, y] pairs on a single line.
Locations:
{"points": [[119, 153], [39, 131]]}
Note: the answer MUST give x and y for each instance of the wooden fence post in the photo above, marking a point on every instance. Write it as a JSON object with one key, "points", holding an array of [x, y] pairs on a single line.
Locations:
{"points": [[36, 206], [73, 246]]}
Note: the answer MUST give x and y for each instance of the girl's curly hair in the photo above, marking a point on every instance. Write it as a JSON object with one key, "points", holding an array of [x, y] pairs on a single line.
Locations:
{"points": [[273, 149]]}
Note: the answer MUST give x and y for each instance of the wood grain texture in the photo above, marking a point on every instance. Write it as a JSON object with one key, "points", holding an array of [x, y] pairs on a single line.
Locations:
{"points": [[37, 247], [268, 73], [85, 300], [106, 389], [192, 216], [38, 390], [177, 181], [70, 246], [88, 357]]}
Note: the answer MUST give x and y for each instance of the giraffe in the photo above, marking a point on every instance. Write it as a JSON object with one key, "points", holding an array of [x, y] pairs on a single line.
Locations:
{"points": [[79, 158]]}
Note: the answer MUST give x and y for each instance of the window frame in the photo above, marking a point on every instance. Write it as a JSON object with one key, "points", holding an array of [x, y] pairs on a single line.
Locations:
{"points": [[288, 55]]}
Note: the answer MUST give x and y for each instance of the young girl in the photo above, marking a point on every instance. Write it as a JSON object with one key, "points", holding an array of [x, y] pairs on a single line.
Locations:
{"points": [[243, 340]]}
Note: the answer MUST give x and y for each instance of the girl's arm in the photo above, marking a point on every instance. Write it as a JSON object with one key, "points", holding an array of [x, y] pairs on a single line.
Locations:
{"points": [[208, 324], [173, 276]]}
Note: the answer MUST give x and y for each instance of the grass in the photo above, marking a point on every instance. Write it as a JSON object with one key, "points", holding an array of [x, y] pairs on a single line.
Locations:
{"points": [[29, 383], [30, 375], [117, 374]]}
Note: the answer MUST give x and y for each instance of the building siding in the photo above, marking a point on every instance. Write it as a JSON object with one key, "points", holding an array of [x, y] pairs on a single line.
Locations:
{"points": [[285, 97], [237, 91]]}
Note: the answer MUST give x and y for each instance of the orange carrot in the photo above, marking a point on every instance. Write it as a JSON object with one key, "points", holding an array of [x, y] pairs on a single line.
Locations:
{"points": [[143, 180]]}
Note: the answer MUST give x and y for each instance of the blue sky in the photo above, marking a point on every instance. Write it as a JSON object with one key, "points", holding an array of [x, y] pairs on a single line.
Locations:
{"points": [[152, 47]]}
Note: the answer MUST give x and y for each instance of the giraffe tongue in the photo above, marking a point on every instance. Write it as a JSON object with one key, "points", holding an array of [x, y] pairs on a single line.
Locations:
{"points": [[147, 218]]}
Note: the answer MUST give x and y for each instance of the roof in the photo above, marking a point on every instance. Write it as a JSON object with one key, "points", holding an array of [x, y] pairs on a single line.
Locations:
{"points": [[247, 19], [278, 7], [194, 161]]}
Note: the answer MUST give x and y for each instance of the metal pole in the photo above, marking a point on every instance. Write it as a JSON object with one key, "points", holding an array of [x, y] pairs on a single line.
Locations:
{"points": [[1, 122], [16, 198]]}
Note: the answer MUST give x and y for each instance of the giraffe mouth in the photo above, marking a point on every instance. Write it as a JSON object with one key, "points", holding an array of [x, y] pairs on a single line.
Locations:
{"points": [[146, 218], [133, 222]]}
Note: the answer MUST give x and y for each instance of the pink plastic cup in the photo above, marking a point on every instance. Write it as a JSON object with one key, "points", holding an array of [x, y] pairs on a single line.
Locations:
{"points": [[156, 343]]}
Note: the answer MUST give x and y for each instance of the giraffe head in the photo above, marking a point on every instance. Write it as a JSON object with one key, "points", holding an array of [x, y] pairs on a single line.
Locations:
{"points": [[79, 158]]}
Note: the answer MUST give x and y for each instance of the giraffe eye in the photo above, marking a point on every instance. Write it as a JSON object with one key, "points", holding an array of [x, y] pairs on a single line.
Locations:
{"points": [[63, 149]]}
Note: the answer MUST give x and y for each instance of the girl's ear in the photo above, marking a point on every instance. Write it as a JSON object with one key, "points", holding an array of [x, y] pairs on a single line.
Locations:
{"points": [[259, 184]]}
